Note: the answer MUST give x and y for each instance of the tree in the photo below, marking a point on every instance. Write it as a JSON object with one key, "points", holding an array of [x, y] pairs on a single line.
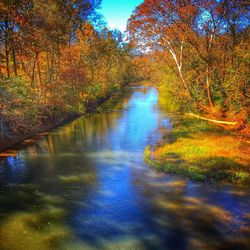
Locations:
{"points": [[200, 36], [157, 25]]}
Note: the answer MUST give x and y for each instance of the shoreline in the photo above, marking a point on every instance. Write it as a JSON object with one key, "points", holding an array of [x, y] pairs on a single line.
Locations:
{"points": [[200, 152], [17, 141], [10, 145]]}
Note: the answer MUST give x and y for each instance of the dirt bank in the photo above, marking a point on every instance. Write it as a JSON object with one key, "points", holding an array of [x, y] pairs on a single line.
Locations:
{"points": [[16, 140]]}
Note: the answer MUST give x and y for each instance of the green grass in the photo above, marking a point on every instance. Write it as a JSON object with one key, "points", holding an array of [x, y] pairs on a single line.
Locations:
{"points": [[201, 152]]}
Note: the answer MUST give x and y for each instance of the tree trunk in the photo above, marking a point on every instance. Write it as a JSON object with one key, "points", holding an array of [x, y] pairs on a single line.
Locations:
{"points": [[184, 83], [179, 66], [33, 72], [7, 61], [210, 99], [52, 69], [58, 59], [14, 61], [208, 63], [6, 44], [39, 74], [212, 120]]}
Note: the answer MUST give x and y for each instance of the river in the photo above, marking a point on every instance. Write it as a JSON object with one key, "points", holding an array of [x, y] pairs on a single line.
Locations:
{"points": [[85, 186]]}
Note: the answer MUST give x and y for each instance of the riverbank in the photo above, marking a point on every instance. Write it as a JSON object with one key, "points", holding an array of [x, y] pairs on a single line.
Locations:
{"points": [[201, 151], [60, 192], [22, 139], [10, 143]]}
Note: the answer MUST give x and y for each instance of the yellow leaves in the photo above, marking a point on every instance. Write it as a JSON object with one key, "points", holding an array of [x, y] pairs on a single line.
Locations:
{"points": [[3, 7]]}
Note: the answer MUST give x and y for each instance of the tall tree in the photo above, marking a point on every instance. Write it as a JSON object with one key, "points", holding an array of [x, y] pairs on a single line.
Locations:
{"points": [[156, 25]]}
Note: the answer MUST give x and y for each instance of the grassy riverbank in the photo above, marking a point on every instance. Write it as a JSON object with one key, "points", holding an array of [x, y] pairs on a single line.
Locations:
{"points": [[201, 151]]}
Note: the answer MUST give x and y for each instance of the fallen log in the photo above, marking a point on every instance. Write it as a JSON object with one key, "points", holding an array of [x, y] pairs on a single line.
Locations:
{"points": [[212, 120], [8, 153]]}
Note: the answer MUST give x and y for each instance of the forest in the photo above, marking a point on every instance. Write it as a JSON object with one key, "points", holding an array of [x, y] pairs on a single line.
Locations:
{"points": [[56, 58], [124, 124], [197, 53], [198, 50], [59, 58]]}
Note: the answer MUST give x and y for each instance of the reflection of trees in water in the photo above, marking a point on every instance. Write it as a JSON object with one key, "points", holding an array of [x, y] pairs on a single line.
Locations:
{"points": [[49, 179], [52, 182], [166, 101], [80, 133]]}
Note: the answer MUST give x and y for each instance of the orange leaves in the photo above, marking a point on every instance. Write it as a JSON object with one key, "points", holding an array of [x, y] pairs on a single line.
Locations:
{"points": [[72, 70], [157, 22], [73, 75], [88, 30], [187, 12]]}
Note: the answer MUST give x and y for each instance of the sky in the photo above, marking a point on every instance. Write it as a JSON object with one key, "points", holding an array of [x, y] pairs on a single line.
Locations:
{"points": [[117, 12]]}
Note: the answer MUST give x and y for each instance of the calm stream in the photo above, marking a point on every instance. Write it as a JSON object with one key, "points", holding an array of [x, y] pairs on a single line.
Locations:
{"points": [[85, 186]]}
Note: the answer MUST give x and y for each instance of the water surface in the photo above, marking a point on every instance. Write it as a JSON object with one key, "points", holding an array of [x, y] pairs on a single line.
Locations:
{"points": [[86, 186]]}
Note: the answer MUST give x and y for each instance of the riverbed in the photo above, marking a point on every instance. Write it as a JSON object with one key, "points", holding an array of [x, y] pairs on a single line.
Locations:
{"points": [[85, 186]]}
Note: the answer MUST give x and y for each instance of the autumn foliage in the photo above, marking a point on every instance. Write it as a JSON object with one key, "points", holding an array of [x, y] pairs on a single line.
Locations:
{"points": [[204, 44], [61, 53]]}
